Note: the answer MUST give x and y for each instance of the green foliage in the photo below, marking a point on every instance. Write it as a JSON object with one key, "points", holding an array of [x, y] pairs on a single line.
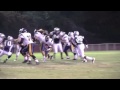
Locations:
{"points": [[92, 24]]}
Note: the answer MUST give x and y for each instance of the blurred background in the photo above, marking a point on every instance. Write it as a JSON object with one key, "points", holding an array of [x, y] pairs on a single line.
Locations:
{"points": [[96, 26]]}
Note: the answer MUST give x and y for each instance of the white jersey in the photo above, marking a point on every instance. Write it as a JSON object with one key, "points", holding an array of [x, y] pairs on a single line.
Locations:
{"points": [[40, 37], [79, 39], [56, 38], [65, 40], [27, 38]]}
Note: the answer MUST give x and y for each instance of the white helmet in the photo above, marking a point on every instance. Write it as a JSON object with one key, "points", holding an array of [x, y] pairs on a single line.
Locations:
{"points": [[22, 30], [2, 35], [51, 33], [76, 33], [70, 34], [56, 29], [10, 38], [62, 33]]}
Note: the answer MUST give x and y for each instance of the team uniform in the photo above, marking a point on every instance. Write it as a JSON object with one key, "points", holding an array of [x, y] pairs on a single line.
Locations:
{"points": [[57, 45], [66, 44], [40, 37], [2, 37], [8, 48], [72, 42], [47, 46], [79, 48], [27, 45]]}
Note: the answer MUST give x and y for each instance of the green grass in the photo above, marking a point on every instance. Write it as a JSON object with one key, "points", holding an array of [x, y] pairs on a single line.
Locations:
{"points": [[106, 66]]}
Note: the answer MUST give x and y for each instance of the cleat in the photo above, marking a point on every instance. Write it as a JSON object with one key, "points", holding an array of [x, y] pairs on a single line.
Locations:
{"points": [[74, 59], [51, 57], [25, 61], [68, 58], [37, 63], [29, 62]]}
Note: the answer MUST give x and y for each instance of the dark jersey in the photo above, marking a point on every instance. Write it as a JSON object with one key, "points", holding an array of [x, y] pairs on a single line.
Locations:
{"points": [[8, 46]]}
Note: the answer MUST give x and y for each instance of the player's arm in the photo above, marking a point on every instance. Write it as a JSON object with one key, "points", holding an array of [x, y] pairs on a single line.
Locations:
{"points": [[20, 41], [73, 42]]}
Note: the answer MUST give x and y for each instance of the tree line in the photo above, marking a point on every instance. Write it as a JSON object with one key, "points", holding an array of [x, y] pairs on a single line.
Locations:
{"points": [[96, 26]]}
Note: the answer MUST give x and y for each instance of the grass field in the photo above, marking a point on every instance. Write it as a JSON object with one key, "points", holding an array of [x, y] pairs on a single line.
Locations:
{"points": [[106, 66]]}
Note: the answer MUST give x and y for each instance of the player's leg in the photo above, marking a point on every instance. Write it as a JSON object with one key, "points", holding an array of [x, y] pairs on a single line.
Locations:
{"points": [[85, 57], [42, 49], [23, 51], [28, 58], [18, 48], [46, 55], [60, 48], [31, 54], [50, 56], [75, 52], [55, 49], [9, 54], [72, 48], [1, 53], [65, 51], [81, 52]]}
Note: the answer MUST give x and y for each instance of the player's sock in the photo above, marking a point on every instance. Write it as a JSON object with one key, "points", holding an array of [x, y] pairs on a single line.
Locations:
{"points": [[75, 56], [61, 55], [25, 59], [37, 62], [6, 59], [66, 53], [16, 58], [48, 56], [28, 58], [17, 54], [51, 57], [44, 58]]}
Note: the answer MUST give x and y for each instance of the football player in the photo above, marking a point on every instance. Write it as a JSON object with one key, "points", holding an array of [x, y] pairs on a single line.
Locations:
{"points": [[8, 48]]}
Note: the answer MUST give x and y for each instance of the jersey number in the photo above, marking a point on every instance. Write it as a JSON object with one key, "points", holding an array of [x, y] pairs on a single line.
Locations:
{"points": [[79, 40], [8, 43]]}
